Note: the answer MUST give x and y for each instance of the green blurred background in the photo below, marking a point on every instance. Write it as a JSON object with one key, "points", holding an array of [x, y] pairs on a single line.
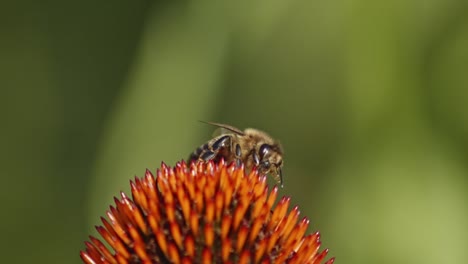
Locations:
{"points": [[369, 100]]}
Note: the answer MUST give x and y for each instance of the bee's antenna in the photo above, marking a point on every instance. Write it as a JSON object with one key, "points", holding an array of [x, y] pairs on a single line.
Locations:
{"points": [[281, 177], [227, 127]]}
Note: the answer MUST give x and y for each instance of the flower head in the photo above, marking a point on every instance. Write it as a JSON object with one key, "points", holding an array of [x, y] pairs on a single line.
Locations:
{"points": [[203, 213]]}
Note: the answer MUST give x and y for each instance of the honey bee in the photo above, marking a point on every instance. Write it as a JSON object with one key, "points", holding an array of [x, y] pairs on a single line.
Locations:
{"points": [[252, 147]]}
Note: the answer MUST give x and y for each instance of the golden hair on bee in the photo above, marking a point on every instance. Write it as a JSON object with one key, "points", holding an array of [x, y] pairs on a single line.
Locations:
{"points": [[252, 147]]}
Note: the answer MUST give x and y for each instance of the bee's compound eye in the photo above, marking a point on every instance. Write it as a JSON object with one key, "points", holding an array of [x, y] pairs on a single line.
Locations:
{"points": [[264, 149]]}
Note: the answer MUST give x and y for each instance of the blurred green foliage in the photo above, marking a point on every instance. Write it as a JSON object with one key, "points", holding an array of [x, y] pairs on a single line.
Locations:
{"points": [[368, 99]]}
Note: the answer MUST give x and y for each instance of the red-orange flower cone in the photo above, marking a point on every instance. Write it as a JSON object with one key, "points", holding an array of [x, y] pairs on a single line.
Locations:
{"points": [[203, 213]]}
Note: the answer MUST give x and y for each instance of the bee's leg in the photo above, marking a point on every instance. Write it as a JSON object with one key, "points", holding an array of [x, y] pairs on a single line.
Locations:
{"points": [[238, 155]]}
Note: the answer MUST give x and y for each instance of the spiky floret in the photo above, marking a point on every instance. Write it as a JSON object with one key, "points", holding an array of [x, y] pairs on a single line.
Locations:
{"points": [[203, 213]]}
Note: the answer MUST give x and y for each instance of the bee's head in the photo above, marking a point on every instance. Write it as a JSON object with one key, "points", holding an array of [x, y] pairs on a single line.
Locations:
{"points": [[271, 161]]}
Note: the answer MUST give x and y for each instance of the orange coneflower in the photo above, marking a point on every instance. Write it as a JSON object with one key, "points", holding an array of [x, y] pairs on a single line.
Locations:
{"points": [[203, 213]]}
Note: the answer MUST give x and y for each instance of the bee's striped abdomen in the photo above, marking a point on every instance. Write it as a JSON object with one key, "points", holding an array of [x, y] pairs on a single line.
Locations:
{"points": [[198, 152], [210, 150]]}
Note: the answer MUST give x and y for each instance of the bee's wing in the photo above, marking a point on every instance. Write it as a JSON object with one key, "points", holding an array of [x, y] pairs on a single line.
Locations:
{"points": [[224, 129]]}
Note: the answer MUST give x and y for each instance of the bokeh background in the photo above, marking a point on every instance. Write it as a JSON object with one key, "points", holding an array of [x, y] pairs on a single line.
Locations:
{"points": [[369, 99]]}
